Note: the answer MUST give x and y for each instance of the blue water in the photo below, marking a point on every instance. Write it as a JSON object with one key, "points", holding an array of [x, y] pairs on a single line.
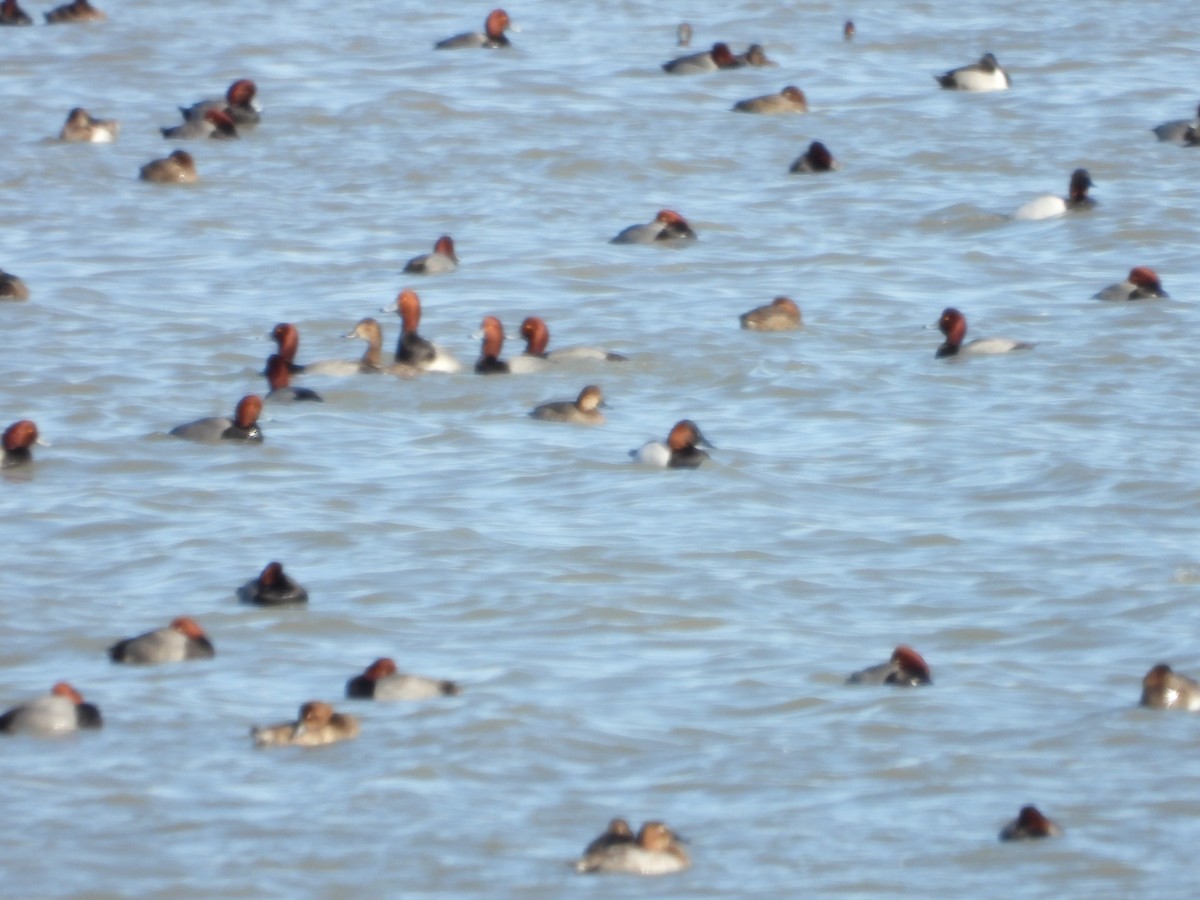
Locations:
{"points": [[666, 645]]}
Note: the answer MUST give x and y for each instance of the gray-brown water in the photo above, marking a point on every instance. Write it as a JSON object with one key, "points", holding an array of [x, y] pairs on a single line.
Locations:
{"points": [[650, 644]]}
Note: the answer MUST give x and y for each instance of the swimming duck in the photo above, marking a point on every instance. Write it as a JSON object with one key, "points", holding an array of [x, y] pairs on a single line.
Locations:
{"points": [[985, 75], [273, 587], [580, 411], [1029, 824], [655, 851], [382, 681], [781, 314], [316, 725], [82, 128]]}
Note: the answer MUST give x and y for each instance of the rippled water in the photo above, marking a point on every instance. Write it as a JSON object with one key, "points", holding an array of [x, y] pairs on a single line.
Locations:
{"points": [[650, 644]]}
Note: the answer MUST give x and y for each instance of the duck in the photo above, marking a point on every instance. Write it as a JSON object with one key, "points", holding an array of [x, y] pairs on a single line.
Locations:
{"points": [[668, 225], [815, 159], [273, 587], [12, 287], [214, 123], [59, 712], [492, 37], [178, 168], [1029, 824], [1175, 131], [316, 725], [1141, 284], [680, 450], [755, 55], [848, 31], [683, 35], [82, 128], [411, 348], [1049, 206], [279, 378], [719, 57], [789, 100], [287, 338], [243, 427], [906, 668], [953, 325], [1164, 689], [371, 331], [238, 103], [580, 411], [441, 260], [781, 314], [18, 438], [618, 832], [382, 681], [78, 11], [180, 641], [655, 851], [12, 14], [489, 362], [985, 75], [537, 336]]}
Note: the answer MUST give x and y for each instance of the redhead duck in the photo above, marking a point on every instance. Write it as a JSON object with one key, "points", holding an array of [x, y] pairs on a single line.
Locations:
{"points": [[1175, 131], [238, 103], [668, 225], [489, 362], [985, 75], [906, 668], [1164, 689], [12, 287], [491, 38], [316, 725], [442, 259], [1029, 824], [848, 31], [273, 587], [215, 123], [279, 378], [411, 348], [790, 100], [369, 330], [953, 325], [1049, 206], [79, 11], [719, 57], [59, 712], [381, 681], [680, 450], [182, 640], [242, 427], [816, 158], [81, 128], [12, 14], [178, 168], [537, 337], [683, 38], [781, 314], [580, 411], [617, 832], [287, 338], [655, 851], [755, 55], [1142, 284], [18, 438]]}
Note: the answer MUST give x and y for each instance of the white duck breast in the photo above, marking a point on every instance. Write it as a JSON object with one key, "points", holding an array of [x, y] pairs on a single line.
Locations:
{"points": [[653, 453], [1046, 207], [976, 79]]}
